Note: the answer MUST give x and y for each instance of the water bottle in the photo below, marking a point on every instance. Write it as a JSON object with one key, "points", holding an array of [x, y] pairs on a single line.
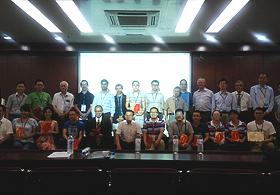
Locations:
{"points": [[137, 143], [175, 144], [70, 144], [86, 151], [200, 144]]}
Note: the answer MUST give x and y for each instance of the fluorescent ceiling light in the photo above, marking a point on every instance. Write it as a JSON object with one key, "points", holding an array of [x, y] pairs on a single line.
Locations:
{"points": [[32, 11], [72, 11], [210, 38], [189, 13], [262, 38], [7, 38], [109, 39], [229, 12], [58, 38]]}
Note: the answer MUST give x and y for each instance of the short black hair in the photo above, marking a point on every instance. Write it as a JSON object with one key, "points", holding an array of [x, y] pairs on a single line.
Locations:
{"points": [[263, 73], [119, 85], [233, 112], [154, 108], [25, 107], [104, 80], [179, 110], [98, 106], [136, 82], [84, 81], [184, 80], [196, 111], [39, 80], [259, 109], [130, 111], [223, 79], [20, 82], [3, 107], [73, 110], [154, 81]]}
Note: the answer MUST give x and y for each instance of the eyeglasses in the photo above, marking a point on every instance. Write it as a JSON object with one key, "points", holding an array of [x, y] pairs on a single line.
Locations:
{"points": [[239, 85]]}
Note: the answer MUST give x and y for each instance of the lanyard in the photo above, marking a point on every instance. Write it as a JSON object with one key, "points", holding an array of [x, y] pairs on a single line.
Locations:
{"points": [[136, 98], [41, 99], [224, 99], [154, 97], [258, 128], [262, 91], [102, 99], [20, 101], [24, 123]]}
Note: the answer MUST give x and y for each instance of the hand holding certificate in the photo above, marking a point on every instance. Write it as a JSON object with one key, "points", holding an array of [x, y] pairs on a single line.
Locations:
{"points": [[255, 136]]}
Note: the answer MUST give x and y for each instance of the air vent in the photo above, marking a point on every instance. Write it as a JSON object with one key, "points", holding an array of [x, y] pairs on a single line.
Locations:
{"points": [[132, 18]]}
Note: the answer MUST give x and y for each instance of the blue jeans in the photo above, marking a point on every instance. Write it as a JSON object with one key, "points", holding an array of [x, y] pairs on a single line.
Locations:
{"points": [[20, 145]]}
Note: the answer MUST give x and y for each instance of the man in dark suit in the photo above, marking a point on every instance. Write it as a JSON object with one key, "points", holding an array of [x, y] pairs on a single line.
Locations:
{"points": [[120, 108], [98, 131]]}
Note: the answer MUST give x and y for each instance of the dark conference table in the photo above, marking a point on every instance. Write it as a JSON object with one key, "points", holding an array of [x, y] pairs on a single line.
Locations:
{"points": [[184, 161]]}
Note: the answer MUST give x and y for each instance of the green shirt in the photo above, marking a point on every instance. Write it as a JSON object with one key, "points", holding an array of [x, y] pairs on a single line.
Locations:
{"points": [[37, 101]]}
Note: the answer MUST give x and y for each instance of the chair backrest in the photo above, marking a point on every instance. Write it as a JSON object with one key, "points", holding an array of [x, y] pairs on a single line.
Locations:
{"points": [[144, 180], [66, 180]]}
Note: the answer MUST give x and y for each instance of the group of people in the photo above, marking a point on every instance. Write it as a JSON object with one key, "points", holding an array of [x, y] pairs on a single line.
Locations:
{"points": [[107, 121]]}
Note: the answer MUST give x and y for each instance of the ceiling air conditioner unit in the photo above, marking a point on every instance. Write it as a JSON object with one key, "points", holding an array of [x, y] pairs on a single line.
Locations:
{"points": [[124, 18]]}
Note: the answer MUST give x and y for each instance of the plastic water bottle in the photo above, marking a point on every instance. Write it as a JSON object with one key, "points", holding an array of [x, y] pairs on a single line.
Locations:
{"points": [[70, 144], [86, 151], [137, 143], [175, 144], [200, 143]]}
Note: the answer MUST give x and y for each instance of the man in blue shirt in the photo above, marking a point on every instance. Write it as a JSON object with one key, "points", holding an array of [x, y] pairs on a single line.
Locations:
{"points": [[223, 101], [106, 99], [186, 96], [263, 96]]}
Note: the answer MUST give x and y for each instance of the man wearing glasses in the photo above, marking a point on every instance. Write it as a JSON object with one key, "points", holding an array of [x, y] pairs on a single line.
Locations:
{"points": [[242, 101], [38, 100], [128, 130], [154, 98], [263, 96], [223, 101]]}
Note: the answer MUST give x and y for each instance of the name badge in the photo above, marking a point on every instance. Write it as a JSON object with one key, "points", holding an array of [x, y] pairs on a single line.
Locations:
{"points": [[42, 108], [83, 108], [265, 102], [238, 109], [224, 107], [154, 138], [17, 112]]}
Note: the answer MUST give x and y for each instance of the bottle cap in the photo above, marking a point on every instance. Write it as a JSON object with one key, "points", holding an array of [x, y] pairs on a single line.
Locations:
{"points": [[175, 133]]}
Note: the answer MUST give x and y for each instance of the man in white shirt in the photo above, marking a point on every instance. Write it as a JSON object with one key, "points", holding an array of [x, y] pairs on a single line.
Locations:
{"points": [[6, 130], [62, 104], [243, 103], [202, 100], [266, 127]]}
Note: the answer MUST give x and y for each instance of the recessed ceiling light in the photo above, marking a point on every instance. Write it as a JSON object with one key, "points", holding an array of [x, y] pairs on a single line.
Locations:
{"points": [[32, 11], [229, 12], [72, 11], [58, 38], [210, 38], [189, 13]]}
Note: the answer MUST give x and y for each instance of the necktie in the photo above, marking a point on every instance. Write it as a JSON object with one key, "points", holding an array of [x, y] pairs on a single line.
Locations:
{"points": [[98, 129], [238, 100], [262, 98]]}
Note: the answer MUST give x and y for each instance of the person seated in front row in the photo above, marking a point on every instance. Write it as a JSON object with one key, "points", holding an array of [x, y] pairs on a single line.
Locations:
{"points": [[24, 129], [98, 131], [236, 133], [75, 127], [6, 130], [153, 131], [199, 127], [128, 130], [46, 129], [260, 125], [217, 132], [180, 126]]}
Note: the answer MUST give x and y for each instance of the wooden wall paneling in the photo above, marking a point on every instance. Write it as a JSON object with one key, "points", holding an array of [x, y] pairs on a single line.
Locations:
{"points": [[204, 68], [273, 75], [3, 79], [250, 66]]}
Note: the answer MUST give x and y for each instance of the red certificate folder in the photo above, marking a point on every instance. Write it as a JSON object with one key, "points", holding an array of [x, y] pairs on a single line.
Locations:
{"points": [[219, 136], [19, 131], [235, 135], [150, 140], [137, 108], [46, 127], [183, 139], [37, 112]]}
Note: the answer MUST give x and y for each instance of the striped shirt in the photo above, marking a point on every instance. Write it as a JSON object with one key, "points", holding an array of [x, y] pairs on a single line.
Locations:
{"points": [[213, 129], [241, 127], [153, 128]]}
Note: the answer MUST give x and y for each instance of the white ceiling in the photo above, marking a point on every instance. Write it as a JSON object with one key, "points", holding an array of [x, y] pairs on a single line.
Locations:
{"points": [[257, 17]]}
